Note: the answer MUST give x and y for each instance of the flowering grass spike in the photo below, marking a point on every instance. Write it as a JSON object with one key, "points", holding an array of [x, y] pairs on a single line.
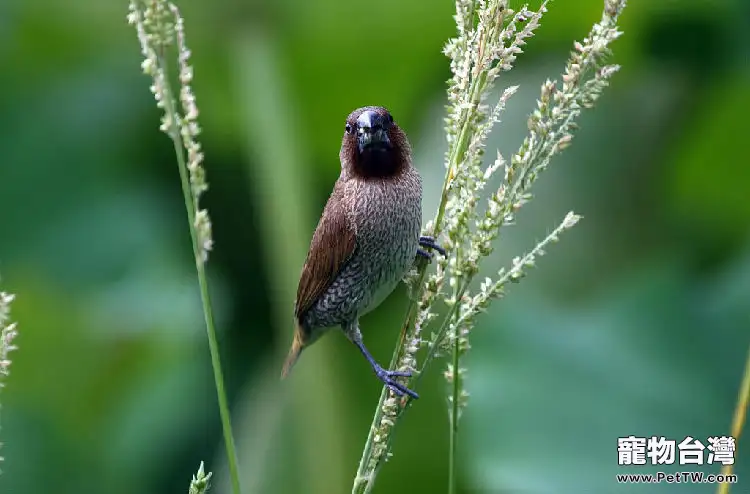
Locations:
{"points": [[160, 27], [8, 333], [200, 482], [490, 36]]}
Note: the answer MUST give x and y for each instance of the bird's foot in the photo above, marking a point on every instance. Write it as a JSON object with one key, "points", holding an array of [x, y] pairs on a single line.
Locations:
{"points": [[429, 243], [387, 376]]}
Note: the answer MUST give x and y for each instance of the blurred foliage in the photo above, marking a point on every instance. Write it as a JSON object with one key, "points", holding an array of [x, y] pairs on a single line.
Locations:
{"points": [[636, 323]]}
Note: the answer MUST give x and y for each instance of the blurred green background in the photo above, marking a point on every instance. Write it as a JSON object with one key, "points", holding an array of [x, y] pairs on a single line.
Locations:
{"points": [[637, 322]]}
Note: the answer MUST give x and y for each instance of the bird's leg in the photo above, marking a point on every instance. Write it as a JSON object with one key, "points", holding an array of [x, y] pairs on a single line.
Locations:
{"points": [[387, 376], [429, 243]]}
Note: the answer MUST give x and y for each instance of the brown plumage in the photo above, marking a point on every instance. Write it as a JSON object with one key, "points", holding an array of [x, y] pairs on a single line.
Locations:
{"points": [[332, 244], [366, 239]]}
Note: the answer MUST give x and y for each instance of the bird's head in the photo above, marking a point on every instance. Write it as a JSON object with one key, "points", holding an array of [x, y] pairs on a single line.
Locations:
{"points": [[373, 144]]}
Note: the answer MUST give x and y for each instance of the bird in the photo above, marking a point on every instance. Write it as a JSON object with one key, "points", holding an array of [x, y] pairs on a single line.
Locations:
{"points": [[367, 238]]}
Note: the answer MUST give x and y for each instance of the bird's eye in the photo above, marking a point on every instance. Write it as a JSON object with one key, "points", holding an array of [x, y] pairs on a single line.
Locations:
{"points": [[348, 128], [390, 118]]}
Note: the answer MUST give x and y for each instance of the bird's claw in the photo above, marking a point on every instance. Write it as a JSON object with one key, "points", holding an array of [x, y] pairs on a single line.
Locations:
{"points": [[429, 243], [387, 376]]}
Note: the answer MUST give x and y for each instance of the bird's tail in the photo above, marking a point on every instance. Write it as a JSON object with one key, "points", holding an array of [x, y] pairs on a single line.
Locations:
{"points": [[297, 345]]}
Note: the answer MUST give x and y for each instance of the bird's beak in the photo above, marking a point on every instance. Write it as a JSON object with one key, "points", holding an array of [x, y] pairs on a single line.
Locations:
{"points": [[372, 131]]}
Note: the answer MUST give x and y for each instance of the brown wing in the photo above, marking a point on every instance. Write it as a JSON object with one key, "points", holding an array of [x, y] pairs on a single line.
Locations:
{"points": [[331, 246]]}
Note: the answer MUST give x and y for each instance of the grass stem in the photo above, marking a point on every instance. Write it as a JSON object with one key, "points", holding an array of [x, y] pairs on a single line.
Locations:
{"points": [[213, 344], [740, 412]]}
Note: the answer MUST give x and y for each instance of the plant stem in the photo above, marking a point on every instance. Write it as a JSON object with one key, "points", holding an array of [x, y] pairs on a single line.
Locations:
{"points": [[454, 419], [740, 412], [456, 155], [455, 375], [203, 283], [362, 483]]}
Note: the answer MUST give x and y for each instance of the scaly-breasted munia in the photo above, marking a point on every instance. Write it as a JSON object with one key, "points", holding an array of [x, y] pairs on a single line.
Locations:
{"points": [[366, 239]]}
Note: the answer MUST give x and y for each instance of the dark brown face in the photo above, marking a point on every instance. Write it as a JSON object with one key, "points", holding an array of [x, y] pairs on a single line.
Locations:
{"points": [[373, 145]]}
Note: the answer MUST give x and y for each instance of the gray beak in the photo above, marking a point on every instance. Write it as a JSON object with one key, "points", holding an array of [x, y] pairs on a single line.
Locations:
{"points": [[372, 131]]}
